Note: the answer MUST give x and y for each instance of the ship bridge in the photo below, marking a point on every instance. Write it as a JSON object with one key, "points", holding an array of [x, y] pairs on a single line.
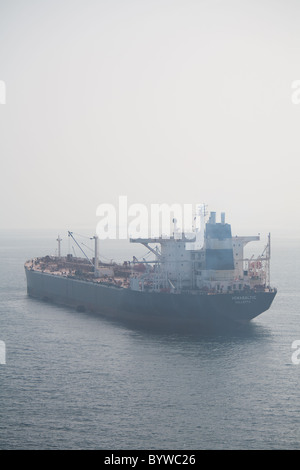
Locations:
{"points": [[212, 259]]}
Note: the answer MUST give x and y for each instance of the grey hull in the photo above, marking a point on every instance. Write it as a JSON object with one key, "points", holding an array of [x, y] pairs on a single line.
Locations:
{"points": [[148, 308]]}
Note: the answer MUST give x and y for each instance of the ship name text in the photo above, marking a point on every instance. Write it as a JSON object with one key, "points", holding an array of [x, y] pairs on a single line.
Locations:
{"points": [[244, 299]]}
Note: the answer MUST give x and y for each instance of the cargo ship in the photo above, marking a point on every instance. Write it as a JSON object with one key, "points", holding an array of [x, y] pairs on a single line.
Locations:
{"points": [[192, 280]]}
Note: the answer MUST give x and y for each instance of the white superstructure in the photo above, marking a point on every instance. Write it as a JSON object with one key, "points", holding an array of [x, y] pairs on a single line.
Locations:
{"points": [[217, 265]]}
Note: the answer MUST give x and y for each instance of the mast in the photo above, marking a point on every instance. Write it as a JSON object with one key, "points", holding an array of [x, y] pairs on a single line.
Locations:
{"points": [[58, 241], [268, 262], [96, 263], [71, 235]]}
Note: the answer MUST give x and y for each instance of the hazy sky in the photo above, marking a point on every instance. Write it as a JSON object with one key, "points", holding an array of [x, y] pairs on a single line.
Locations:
{"points": [[164, 101]]}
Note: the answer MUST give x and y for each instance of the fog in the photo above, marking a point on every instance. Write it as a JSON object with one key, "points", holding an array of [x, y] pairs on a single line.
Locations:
{"points": [[169, 101]]}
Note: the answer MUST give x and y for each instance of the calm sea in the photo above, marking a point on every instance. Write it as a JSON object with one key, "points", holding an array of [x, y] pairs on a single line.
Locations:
{"points": [[75, 381]]}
